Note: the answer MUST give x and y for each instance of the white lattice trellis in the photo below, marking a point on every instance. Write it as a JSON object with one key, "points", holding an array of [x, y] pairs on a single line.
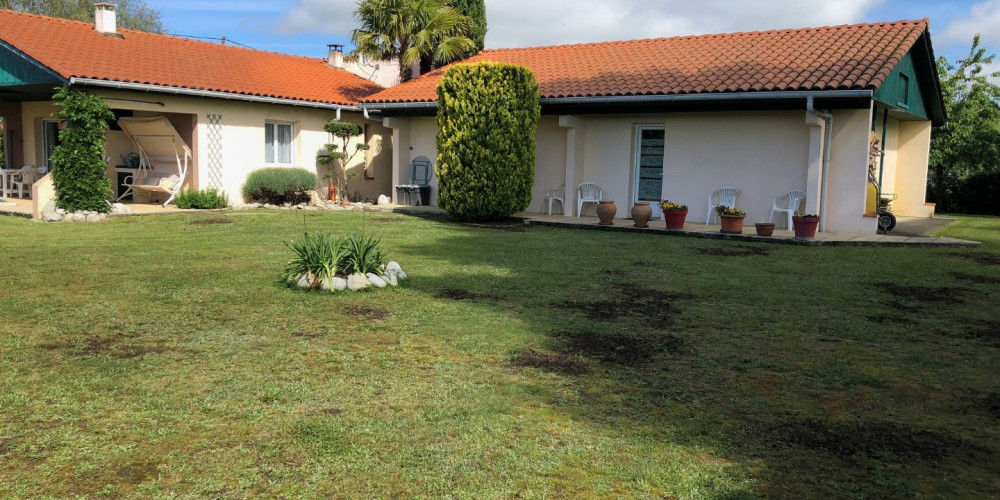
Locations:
{"points": [[215, 151]]}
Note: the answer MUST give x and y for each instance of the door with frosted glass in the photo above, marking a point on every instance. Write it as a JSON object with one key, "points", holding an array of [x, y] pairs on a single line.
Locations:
{"points": [[648, 173]]}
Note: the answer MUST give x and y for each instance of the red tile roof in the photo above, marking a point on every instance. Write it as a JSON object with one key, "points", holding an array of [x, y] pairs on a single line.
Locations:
{"points": [[830, 58], [75, 49]]}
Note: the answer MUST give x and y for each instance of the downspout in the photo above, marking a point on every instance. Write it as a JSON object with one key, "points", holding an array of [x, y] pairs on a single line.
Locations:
{"points": [[825, 175]]}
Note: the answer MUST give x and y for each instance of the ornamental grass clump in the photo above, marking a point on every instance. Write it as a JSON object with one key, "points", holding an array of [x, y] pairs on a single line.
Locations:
{"points": [[487, 117], [205, 199], [319, 257]]}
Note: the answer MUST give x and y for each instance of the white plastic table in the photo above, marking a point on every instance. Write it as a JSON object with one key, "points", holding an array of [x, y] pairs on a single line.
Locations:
{"points": [[7, 180]]}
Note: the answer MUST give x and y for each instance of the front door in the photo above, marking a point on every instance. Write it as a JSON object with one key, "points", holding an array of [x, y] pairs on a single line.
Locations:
{"points": [[648, 175]]}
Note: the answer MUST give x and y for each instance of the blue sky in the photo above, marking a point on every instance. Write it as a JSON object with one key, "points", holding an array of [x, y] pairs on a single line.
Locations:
{"points": [[304, 27]]}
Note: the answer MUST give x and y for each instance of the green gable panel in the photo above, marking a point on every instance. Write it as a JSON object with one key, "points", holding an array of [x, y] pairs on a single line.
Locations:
{"points": [[901, 91], [16, 70]]}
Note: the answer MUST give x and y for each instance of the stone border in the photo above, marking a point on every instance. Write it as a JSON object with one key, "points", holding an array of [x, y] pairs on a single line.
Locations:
{"points": [[391, 276]]}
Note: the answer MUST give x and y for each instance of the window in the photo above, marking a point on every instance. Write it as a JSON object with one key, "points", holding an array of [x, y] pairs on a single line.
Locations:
{"points": [[278, 143], [903, 91]]}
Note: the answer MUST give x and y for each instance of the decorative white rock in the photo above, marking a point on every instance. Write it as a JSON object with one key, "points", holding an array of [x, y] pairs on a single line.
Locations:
{"points": [[391, 279], [384, 200], [305, 281], [356, 282], [339, 284], [376, 280], [78, 217], [51, 217], [326, 285]]}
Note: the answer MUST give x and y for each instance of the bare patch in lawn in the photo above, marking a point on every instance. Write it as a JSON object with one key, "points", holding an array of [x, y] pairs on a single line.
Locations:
{"points": [[308, 335], [368, 312], [870, 439], [211, 222], [333, 412], [988, 331], [989, 403], [550, 361], [387, 219], [986, 259], [636, 303], [976, 279], [923, 294], [620, 348], [6, 446], [120, 347], [462, 294], [883, 319], [137, 473], [735, 251]]}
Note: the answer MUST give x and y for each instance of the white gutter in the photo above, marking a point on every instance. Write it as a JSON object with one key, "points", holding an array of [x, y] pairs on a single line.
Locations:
{"points": [[762, 95], [825, 175], [143, 87]]}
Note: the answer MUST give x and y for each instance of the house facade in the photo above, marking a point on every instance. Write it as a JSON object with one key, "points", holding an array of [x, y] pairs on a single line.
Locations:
{"points": [[677, 118], [237, 109]]}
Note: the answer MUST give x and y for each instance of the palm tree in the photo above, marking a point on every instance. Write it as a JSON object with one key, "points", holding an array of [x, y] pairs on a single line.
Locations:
{"points": [[409, 31]]}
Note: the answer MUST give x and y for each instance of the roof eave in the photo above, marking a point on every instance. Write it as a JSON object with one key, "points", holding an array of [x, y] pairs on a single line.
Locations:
{"points": [[214, 94]]}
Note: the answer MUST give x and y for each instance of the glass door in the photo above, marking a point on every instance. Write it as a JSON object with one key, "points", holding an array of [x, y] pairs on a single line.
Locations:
{"points": [[50, 139], [650, 141]]}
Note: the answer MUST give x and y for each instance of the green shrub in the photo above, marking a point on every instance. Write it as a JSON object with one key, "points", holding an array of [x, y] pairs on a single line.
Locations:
{"points": [[487, 117], [78, 167], [206, 199], [278, 186], [323, 256]]}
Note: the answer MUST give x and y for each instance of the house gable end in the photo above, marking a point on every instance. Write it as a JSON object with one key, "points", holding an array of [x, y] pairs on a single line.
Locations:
{"points": [[913, 88]]}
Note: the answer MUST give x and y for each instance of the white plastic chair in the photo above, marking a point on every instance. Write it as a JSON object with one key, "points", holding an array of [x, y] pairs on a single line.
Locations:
{"points": [[587, 192], [26, 177], [557, 194], [726, 196], [794, 199]]}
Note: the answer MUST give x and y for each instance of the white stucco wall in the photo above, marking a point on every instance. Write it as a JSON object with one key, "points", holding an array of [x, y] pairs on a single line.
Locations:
{"points": [[242, 145], [910, 183], [764, 154]]}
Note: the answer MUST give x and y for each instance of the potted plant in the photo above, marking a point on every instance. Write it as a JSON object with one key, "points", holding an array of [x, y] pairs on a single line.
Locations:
{"points": [[805, 225], [674, 214], [764, 228], [337, 154], [732, 219]]}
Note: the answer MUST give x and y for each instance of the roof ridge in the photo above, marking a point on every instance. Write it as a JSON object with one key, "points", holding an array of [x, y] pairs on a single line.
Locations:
{"points": [[153, 34], [915, 22]]}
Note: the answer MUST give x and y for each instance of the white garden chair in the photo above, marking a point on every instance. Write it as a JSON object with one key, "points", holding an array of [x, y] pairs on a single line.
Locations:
{"points": [[587, 192], [787, 203], [557, 194], [725, 196], [25, 178]]}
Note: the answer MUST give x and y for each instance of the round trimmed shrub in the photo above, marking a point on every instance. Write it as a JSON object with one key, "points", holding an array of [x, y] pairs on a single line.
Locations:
{"points": [[279, 186], [487, 116]]}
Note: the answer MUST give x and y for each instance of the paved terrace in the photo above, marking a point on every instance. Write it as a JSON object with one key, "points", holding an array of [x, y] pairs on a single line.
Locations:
{"points": [[909, 232]]}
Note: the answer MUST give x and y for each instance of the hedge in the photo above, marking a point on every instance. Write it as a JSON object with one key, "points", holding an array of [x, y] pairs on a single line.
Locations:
{"points": [[78, 167], [279, 186], [487, 117]]}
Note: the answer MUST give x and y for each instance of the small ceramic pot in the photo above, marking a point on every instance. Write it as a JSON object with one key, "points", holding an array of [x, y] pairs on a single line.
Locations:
{"points": [[764, 228], [732, 224]]}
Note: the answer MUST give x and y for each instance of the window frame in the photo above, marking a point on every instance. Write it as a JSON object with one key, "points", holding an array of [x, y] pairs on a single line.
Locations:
{"points": [[274, 125], [903, 91]]}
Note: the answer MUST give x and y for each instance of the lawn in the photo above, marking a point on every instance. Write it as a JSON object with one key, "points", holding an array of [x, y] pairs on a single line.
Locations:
{"points": [[160, 357]]}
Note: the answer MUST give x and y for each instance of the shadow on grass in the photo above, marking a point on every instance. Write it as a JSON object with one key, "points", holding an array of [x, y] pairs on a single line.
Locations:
{"points": [[648, 360]]}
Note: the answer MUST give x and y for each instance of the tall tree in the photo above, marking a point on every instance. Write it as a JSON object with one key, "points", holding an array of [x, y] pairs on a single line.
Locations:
{"points": [[409, 30], [475, 10], [131, 14], [970, 141]]}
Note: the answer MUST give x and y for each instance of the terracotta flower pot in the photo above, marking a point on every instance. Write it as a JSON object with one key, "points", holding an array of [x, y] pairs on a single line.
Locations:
{"points": [[764, 228], [732, 224], [606, 211], [805, 227], [675, 218], [331, 192], [641, 212]]}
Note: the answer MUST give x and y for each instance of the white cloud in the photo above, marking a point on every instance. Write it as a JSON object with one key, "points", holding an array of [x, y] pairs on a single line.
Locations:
{"points": [[982, 18], [521, 23]]}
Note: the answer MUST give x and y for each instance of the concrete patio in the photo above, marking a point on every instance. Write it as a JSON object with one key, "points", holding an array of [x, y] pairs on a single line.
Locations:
{"points": [[909, 232]]}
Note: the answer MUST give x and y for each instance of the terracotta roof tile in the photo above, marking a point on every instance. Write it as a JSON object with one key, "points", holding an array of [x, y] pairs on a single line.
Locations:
{"points": [[838, 57], [75, 49]]}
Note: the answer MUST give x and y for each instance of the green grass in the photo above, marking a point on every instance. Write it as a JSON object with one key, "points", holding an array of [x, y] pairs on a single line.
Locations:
{"points": [[161, 356]]}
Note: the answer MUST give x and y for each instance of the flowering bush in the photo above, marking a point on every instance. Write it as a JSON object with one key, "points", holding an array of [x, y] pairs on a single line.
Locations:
{"points": [[724, 210], [668, 205]]}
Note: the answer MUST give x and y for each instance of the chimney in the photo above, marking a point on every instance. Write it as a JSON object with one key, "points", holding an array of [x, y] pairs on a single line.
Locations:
{"points": [[104, 18], [336, 56]]}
